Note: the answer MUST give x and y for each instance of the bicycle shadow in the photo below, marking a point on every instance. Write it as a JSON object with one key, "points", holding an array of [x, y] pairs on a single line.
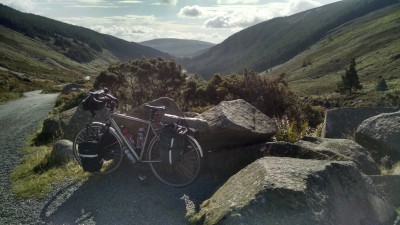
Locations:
{"points": [[122, 198]]}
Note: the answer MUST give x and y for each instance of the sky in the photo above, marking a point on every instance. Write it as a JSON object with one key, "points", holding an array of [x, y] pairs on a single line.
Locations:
{"points": [[141, 20]]}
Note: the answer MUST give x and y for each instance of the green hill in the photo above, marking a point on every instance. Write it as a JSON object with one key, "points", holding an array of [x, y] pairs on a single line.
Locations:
{"points": [[373, 40], [276, 41], [178, 47], [43, 48]]}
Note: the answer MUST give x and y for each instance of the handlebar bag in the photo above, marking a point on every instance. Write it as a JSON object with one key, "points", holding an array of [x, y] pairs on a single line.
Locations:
{"points": [[90, 103], [172, 143], [90, 154]]}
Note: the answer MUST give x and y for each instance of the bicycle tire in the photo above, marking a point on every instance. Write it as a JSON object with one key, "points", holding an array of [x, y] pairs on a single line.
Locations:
{"points": [[181, 173], [113, 150]]}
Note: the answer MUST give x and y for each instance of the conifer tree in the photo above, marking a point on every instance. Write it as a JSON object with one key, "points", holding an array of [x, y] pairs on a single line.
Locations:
{"points": [[382, 86], [350, 79]]}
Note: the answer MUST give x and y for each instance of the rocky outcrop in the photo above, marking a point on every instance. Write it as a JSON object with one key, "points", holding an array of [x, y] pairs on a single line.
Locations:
{"points": [[234, 123], [72, 88], [325, 149], [342, 123], [342, 149], [380, 134], [276, 190]]}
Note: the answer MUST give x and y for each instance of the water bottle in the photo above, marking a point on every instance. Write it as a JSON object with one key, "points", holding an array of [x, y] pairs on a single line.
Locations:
{"points": [[129, 155], [140, 137]]}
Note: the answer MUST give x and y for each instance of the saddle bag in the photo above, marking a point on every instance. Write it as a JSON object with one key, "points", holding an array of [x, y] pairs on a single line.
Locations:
{"points": [[172, 143], [90, 154]]}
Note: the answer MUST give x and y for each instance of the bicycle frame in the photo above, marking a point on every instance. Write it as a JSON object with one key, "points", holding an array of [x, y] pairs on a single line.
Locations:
{"points": [[126, 142]]}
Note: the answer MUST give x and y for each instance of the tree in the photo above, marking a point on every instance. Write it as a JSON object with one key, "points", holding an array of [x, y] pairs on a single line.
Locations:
{"points": [[350, 79], [382, 86]]}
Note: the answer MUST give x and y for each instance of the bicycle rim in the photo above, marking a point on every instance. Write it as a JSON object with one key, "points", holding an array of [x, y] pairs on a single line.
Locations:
{"points": [[181, 173], [112, 147]]}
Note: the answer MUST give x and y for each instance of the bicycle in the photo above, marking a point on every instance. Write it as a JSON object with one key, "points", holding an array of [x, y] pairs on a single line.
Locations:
{"points": [[116, 144]]}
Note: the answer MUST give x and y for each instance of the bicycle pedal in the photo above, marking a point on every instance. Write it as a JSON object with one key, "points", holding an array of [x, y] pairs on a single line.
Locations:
{"points": [[142, 177]]}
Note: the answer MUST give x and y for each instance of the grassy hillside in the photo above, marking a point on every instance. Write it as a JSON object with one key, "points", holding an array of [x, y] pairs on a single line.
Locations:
{"points": [[373, 40], [39, 53], [178, 47], [273, 42], [77, 43]]}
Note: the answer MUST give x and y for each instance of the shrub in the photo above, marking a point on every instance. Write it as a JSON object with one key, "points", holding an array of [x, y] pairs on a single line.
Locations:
{"points": [[382, 86]]}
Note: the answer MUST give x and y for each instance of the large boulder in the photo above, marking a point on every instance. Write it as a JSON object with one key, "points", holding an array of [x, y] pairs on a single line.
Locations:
{"points": [[276, 190], [236, 122], [343, 122], [389, 184], [342, 149], [76, 118], [170, 108], [381, 134]]}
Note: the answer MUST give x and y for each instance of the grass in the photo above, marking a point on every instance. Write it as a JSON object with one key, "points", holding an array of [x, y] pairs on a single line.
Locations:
{"points": [[374, 42], [38, 173]]}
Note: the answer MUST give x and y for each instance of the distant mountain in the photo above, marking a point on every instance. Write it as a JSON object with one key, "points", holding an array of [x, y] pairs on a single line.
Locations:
{"points": [[73, 45], [275, 41], [178, 47]]}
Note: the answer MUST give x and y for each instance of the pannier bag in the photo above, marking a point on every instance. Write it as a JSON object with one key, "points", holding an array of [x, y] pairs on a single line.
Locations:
{"points": [[172, 143], [91, 156]]}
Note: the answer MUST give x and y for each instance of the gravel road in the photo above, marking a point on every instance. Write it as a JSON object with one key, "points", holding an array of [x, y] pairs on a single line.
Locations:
{"points": [[118, 198]]}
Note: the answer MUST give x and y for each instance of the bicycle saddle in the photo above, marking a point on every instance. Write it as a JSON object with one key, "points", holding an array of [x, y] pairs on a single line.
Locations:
{"points": [[155, 108]]}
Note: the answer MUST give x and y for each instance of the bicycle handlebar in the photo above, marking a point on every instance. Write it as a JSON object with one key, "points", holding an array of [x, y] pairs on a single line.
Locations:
{"points": [[104, 96]]}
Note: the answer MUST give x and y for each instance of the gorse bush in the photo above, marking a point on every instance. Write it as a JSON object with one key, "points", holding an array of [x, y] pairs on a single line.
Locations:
{"points": [[140, 81], [137, 82]]}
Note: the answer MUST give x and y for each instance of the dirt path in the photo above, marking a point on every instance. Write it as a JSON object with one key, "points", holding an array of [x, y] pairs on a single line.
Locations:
{"points": [[18, 119]]}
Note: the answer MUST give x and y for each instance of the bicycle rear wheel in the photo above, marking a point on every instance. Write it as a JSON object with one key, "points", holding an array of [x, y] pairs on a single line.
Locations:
{"points": [[184, 171], [111, 144]]}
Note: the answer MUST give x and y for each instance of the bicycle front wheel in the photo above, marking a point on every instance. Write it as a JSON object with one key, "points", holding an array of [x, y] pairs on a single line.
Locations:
{"points": [[111, 144], [184, 171]]}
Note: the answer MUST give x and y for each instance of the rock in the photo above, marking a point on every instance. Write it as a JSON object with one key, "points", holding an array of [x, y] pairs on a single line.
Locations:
{"points": [[195, 123], [276, 190], [234, 123], [342, 149], [76, 118], [170, 108], [72, 88], [62, 150], [381, 134], [342, 123], [389, 184], [51, 128]]}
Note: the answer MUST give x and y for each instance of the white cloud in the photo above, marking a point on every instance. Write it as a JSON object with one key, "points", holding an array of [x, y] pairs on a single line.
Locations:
{"points": [[296, 6], [24, 6], [170, 2], [230, 2], [129, 2], [190, 11]]}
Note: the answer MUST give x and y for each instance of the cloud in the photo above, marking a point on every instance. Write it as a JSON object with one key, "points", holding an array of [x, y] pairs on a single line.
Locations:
{"points": [[231, 2], [170, 2], [129, 2], [24, 6], [242, 16], [190, 11], [296, 6]]}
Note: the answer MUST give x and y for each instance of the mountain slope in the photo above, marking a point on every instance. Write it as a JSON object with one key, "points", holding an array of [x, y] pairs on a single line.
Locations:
{"points": [[373, 40], [275, 41], [178, 47], [77, 43]]}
